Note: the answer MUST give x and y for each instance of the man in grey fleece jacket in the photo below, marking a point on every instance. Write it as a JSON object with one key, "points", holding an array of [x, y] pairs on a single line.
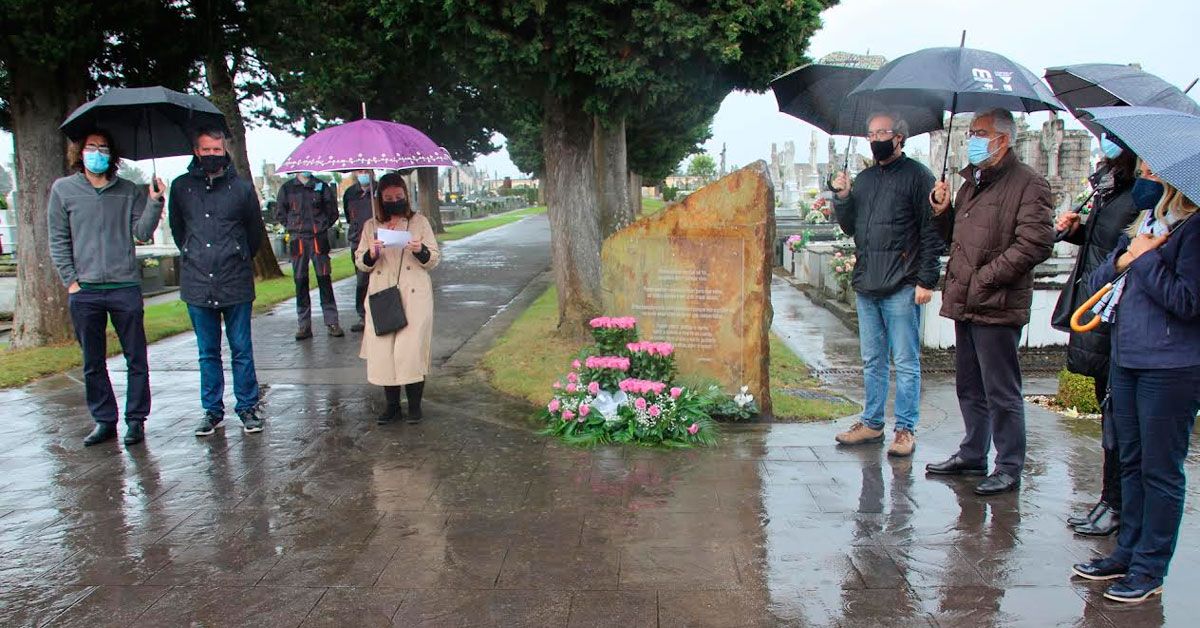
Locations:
{"points": [[94, 218]]}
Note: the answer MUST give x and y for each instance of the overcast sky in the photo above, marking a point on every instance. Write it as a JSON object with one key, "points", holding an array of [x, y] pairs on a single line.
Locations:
{"points": [[1161, 35]]}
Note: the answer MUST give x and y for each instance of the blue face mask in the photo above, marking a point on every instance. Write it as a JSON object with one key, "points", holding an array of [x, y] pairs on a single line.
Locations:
{"points": [[977, 150], [1146, 193], [364, 180], [96, 162], [1110, 148]]}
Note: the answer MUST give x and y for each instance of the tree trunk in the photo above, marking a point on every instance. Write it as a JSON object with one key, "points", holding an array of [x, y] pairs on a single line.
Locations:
{"points": [[427, 197], [635, 194], [39, 103], [224, 95], [612, 176], [571, 196]]}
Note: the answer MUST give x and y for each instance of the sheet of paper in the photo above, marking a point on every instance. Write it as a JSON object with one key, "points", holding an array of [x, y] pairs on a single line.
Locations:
{"points": [[392, 238]]}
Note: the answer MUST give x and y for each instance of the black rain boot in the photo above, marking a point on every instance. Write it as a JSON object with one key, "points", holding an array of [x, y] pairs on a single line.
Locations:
{"points": [[391, 412], [414, 392], [104, 431], [135, 431], [1108, 522]]}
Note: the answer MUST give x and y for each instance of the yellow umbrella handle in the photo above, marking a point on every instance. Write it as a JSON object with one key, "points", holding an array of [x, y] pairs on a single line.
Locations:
{"points": [[1076, 326]]}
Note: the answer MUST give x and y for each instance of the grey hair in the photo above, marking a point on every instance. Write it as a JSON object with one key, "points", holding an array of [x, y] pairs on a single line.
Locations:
{"points": [[213, 132], [1002, 121], [899, 125]]}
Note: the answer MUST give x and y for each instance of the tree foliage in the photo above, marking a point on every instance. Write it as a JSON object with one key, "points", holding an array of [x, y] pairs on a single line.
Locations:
{"points": [[703, 166]]}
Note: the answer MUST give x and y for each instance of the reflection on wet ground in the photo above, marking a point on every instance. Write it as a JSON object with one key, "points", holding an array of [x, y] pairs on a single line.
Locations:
{"points": [[471, 519]]}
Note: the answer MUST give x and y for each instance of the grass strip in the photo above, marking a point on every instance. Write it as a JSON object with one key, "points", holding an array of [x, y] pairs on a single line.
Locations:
{"points": [[530, 355]]}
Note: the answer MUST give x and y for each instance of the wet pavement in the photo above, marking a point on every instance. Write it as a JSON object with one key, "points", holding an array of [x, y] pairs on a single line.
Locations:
{"points": [[471, 519]]}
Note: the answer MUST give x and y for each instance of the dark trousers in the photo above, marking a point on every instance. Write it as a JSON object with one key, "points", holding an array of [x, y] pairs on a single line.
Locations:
{"points": [[90, 313], [360, 293], [1153, 410], [988, 379], [303, 252], [207, 323], [1110, 489]]}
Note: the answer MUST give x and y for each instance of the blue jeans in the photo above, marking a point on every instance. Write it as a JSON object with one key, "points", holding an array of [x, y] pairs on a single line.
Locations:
{"points": [[1153, 413], [207, 323], [890, 326]]}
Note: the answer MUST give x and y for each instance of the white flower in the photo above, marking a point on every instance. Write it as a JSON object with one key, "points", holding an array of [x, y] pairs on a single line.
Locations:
{"points": [[743, 398]]}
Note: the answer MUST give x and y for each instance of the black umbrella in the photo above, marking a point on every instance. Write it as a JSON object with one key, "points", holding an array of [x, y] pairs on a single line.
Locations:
{"points": [[960, 79], [816, 93], [146, 122], [1114, 85]]}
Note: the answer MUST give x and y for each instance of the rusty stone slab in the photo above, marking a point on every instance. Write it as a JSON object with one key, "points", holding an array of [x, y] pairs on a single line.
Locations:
{"points": [[698, 275]]}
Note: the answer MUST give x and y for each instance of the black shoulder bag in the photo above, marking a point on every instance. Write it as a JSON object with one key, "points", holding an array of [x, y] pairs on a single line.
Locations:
{"points": [[387, 309]]}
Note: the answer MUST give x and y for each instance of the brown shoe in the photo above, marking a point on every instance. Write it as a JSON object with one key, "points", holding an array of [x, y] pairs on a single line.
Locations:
{"points": [[859, 434], [903, 444]]}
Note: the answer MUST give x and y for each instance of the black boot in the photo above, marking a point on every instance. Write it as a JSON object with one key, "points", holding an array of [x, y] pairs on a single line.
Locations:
{"points": [[414, 392], [1088, 517], [391, 411], [135, 432], [1106, 523], [102, 432]]}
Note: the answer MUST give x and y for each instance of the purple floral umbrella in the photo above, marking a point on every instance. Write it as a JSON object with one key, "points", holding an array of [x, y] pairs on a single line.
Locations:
{"points": [[366, 145]]}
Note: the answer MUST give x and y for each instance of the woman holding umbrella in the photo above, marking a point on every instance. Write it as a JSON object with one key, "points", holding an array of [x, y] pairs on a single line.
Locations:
{"points": [[1114, 209], [1155, 384], [398, 334]]}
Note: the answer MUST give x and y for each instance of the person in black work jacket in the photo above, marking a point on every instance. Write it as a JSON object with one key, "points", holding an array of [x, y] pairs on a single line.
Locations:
{"points": [[1113, 210], [307, 208], [217, 223], [895, 273], [358, 207]]}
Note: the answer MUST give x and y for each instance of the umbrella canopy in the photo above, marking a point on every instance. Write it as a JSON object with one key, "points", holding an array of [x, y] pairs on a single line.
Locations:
{"points": [[366, 145], [817, 94], [1111, 85], [1168, 140], [961, 79], [146, 122]]}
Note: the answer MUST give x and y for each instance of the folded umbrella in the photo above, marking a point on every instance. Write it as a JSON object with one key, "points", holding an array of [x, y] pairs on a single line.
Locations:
{"points": [[366, 145], [145, 122], [1112, 85], [960, 79]]}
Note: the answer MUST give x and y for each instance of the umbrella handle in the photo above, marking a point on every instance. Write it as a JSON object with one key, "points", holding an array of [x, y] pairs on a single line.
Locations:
{"points": [[1082, 310]]}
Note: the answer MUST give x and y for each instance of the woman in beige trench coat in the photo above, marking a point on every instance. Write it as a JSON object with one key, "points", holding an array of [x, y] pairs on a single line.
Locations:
{"points": [[400, 359]]}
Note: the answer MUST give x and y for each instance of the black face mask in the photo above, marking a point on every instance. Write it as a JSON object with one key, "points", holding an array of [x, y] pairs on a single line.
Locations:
{"points": [[395, 208], [882, 149], [212, 164]]}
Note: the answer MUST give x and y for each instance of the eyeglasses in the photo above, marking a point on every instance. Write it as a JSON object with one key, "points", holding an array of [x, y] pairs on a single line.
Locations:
{"points": [[978, 133], [881, 134], [92, 148]]}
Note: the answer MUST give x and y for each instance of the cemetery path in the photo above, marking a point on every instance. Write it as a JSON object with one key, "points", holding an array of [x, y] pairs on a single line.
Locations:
{"points": [[469, 518]]}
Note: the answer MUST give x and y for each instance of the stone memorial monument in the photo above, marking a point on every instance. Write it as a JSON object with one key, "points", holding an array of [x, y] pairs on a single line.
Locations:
{"points": [[698, 275]]}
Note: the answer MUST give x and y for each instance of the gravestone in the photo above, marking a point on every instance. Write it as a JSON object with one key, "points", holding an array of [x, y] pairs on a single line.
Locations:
{"points": [[698, 275]]}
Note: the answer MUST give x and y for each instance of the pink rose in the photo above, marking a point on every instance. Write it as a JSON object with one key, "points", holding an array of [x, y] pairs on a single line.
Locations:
{"points": [[693, 428], [594, 388], [654, 411], [568, 415], [557, 385], [554, 405], [584, 409], [639, 403], [575, 365], [572, 377], [666, 348], [675, 392], [572, 388]]}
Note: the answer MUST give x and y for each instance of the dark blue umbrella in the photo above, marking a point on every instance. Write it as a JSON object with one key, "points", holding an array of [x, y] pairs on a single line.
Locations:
{"points": [[1169, 141], [1112, 85], [959, 79], [146, 122], [817, 93]]}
